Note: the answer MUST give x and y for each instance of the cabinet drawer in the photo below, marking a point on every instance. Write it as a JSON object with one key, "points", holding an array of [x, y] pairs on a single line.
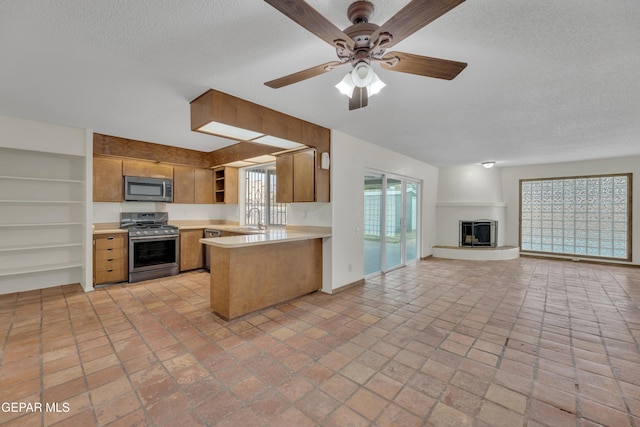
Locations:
{"points": [[106, 255], [111, 270], [111, 276], [110, 243], [110, 264]]}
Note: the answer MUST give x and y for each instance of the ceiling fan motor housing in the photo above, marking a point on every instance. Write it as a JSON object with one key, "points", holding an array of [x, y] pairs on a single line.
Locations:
{"points": [[360, 11]]}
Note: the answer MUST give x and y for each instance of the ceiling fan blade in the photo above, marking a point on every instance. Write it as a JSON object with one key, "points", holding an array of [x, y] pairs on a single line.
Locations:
{"points": [[306, 16], [412, 17], [303, 75], [359, 99], [422, 65]]}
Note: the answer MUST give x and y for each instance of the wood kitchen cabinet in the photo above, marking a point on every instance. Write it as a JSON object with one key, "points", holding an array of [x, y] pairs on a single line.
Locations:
{"points": [[110, 258], [183, 184], [192, 185], [204, 186], [107, 179], [191, 250], [225, 185], [295, 174], [146, 169]]}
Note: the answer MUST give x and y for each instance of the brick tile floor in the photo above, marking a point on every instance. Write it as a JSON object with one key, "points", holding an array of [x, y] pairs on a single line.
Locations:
{"points": [[525, 342]]}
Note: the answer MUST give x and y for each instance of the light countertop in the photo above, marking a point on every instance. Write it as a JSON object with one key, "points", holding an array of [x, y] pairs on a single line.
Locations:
{"points": [[264, 238]]}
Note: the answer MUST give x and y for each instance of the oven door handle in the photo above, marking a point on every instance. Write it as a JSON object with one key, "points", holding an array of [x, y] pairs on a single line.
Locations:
{"points": [[137, 239]]}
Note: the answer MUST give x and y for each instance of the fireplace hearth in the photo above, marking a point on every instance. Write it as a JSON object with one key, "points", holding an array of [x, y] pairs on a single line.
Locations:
{"points": [[479, 233]]}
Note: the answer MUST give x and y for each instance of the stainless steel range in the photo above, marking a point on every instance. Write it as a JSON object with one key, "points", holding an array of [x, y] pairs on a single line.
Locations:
{"points": [[153, 245]]}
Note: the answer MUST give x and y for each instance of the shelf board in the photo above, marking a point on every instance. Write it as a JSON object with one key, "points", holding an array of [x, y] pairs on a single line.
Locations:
{"points": [[41, 224], [38, 247], [68, 202], [40, 268], [29, 178]]}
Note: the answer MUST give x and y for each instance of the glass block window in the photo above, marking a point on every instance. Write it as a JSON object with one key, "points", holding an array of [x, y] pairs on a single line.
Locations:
{"points": [[586, 216]]}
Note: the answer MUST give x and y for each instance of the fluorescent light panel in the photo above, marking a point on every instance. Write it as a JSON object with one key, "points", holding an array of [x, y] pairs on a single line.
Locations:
{"points": [[232, 132], [240, 164], [227, 131], [262, 159], [277, 142]]}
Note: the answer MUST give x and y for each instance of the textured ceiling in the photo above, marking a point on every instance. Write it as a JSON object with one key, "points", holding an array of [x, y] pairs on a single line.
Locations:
{"points": [[547, 80]]}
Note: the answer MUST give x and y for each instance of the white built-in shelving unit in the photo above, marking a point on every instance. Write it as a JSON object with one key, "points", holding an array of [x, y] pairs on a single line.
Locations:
{"points": [[43, 219]]}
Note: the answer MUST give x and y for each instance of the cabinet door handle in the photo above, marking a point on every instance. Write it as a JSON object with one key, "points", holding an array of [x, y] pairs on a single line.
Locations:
{"points": [[110, 238], [110, 259], [109, 249], [109, 271]]}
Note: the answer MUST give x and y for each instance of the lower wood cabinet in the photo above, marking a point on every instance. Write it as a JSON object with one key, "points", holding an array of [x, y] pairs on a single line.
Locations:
{"points": [[110, 258], [191, 250]]}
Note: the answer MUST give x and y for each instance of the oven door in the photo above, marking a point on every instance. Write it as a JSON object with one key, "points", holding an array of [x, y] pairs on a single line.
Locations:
{"points": [[152, 256]]}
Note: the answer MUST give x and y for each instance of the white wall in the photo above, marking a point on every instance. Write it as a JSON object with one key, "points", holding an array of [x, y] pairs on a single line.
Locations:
{"points": [[469, 193], [309, 214], [511, 189], [350, 158], [36, 136], [470, 183]]}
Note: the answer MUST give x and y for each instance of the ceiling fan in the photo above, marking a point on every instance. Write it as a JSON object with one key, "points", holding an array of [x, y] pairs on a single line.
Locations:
{"points": [[363, 43]]}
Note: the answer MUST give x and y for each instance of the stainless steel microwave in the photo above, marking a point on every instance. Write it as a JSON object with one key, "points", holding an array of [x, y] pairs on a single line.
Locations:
{"points": [[142, 189]]}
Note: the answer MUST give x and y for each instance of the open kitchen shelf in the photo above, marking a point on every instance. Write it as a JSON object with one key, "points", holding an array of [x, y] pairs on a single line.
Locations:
{"points": [[30, 178], [41, 224], [40, 247], [42, 218], [40, 268]]}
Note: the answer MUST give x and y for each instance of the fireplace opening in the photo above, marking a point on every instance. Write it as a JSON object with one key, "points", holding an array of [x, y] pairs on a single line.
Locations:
{"points": [[480, 233]]}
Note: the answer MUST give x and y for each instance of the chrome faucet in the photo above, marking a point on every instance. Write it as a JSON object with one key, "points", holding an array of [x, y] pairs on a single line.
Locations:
{"points": [[261, 225]]}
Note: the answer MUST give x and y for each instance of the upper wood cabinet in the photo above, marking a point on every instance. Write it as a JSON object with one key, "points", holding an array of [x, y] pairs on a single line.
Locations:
{"points": [[204, 186], [107, 179], [284, 179], [146, 169], [225, 185], [192, 185], [183, 184], [296, 177]]}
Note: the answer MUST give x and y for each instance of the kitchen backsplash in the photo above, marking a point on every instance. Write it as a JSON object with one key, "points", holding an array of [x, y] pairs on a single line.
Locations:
{"points": [[110, 212]]}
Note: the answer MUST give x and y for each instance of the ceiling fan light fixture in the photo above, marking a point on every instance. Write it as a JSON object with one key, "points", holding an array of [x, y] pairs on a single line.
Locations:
{"points": [[346, 85], [488, 165], [376, 84], [362, 74], [352, 80]]}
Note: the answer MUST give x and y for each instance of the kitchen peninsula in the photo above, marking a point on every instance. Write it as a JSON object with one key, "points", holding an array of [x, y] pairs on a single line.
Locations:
{"points": [[260, 268]]}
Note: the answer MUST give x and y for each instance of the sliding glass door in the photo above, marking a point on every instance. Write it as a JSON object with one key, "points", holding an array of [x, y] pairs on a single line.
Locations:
{"points": [[393, 247], [373, 218], [391, 222], [411, 220]]}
